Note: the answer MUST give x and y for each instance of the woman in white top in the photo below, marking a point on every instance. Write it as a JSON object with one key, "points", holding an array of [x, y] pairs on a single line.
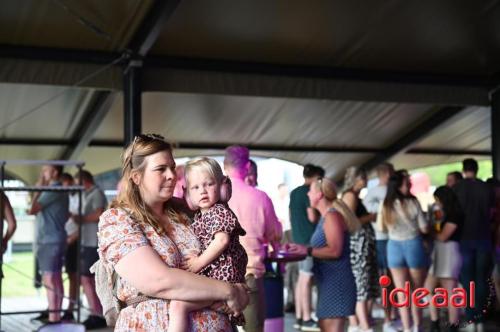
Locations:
{"points": [[402, 217]]}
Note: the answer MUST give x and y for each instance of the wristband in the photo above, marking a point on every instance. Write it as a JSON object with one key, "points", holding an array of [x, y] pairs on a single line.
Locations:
{"points": [[309, 251]]}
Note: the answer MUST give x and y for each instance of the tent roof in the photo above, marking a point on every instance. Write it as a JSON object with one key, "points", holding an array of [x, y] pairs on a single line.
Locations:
{"points": [[418, 36], [330, 82]]}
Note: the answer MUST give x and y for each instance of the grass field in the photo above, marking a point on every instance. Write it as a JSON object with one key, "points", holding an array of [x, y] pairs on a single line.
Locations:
{"points": [[19, 274]]}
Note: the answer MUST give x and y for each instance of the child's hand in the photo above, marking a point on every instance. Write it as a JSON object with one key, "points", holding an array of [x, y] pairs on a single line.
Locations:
{"points": [[220, 306], [192, 264]]}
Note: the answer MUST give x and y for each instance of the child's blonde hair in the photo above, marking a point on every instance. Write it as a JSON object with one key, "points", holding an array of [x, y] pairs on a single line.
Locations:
{"points": [[212, 167], [204, 164]]}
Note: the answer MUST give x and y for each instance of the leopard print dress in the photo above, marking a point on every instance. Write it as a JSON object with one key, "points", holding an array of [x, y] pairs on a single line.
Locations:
{"points": [[231, 264]]}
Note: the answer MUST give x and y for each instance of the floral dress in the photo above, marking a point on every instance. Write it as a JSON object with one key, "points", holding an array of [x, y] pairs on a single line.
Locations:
{"points": [[119, 235]]}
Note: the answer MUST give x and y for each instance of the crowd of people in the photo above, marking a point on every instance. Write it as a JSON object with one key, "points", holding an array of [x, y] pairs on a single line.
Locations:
{"points": [[60, 227], [188, 244], [390, 235]]}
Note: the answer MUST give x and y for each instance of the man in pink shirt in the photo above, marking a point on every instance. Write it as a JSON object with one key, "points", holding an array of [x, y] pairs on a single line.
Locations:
{"points": [[256, 215]]}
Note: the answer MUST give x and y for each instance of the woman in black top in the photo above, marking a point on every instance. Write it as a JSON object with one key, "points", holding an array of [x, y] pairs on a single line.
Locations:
{"points": [[446, 258], [363, 249]]}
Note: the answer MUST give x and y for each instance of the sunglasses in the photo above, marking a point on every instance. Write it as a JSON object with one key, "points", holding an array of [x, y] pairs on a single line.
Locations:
{"points": [[143, 138]]}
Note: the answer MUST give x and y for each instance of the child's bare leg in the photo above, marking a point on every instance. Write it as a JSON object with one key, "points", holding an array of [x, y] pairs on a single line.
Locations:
{"points": [[178, 314]]}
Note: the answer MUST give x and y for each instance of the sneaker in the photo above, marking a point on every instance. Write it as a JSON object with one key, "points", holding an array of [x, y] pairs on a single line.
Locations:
{"points": [[298, 324], [352, 328], [452, 328], [68, 316], [435, 326], [417, 329], [387, 327], [397, 324], [43, 317], [469, 327], [94, 322], [310, 325], [289, 307]]}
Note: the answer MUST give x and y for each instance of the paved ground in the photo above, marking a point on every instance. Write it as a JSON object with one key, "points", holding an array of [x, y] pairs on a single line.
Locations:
{"points": [[23, 323], [492, 325]]}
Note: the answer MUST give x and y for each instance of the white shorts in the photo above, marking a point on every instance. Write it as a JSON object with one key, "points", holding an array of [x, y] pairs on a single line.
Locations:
{"points": [[446, 260]]}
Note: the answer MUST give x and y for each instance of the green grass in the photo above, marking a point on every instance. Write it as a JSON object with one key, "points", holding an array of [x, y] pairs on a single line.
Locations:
{"points": [[19, 274], [437, 174]]}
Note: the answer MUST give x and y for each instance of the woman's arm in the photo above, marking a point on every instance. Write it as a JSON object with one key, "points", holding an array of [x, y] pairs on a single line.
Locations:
{"points": [[164, 282], [196, 263], [367, 218], [380, 224], [11, 222], [334, 233], [313, 215], [350, 200], [88, 218], [422, 222], [447, 231]]}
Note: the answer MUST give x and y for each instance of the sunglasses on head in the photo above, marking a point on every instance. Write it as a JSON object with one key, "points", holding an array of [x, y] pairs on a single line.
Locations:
{"points": [[143, 138], [148, 137]]}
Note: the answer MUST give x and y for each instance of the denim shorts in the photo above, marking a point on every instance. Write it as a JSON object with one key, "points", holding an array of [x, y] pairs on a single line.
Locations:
{"points": [[306, 266], [381, 254], [88, 256], [407, 253], [50, 257], [71, 258]]}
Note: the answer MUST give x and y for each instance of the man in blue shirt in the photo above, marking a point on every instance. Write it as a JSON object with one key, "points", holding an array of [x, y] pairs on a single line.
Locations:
{"points": [[51, 209]]}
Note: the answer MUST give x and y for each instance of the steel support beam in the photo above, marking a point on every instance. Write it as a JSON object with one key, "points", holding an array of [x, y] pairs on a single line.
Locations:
{"points": [[98, 108], [495, 133], [177, 74], [36, 141], [139, 46], [132, 97], [62, 55], [419, 132], [253, 147], [150, 28], [449, 152], [86, 57]]}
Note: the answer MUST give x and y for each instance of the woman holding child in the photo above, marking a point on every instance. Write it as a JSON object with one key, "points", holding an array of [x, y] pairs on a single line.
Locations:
{"points": [[145, 238]]}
